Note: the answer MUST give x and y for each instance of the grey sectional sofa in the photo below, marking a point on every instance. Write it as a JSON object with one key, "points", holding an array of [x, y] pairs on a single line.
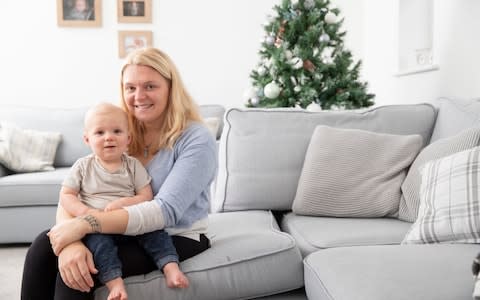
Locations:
{"points": [[260, 248]]}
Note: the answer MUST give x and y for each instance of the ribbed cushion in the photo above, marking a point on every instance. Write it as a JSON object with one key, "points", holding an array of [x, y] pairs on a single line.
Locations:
{"points": [[354, 173], [410, 200]]}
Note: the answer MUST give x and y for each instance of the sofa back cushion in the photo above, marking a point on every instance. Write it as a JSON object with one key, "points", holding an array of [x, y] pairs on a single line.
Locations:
{"points": [[455, 115], [262, 150], [68, 122]]}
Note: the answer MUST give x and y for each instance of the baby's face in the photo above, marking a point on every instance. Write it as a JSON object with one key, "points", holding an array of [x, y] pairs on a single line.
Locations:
{"points": [[107, 135]]}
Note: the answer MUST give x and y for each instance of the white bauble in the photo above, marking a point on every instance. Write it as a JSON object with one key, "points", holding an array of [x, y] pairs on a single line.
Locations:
{"points": [[272, 90], [314, 107], [330, 18], [324, 38], [288, 54], [254, 101], [296, 62], [270, 40], [261, 70], [249, 93], [297, 88]]}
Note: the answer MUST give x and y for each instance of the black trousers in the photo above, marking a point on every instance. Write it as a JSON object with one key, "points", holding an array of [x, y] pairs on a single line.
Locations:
{"points": [[41, 279]]}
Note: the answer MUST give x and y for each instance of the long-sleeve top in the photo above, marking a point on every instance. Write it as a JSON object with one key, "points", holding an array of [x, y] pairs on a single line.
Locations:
{"points": [[181, 179]]}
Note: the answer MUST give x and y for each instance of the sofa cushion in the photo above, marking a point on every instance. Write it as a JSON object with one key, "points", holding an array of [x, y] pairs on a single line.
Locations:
{"points": [[67, 121], [31, 189], [213, 112], [402, 272], [27, 150], [455, 115], [242, 263], [317, 233], [410, 200], [354, 173], [449, 201], [262, 150]]}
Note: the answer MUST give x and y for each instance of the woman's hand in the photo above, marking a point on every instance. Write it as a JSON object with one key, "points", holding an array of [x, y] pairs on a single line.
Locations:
{"points": [[75, 263], [67, 232]]}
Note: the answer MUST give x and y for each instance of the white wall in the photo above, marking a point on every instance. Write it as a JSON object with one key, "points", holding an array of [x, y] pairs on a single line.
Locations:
{"points": [[456, 51], [215, 44]]}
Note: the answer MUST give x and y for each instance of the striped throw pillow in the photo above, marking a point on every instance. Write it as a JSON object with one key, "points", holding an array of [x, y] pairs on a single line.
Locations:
{"points": [[354, 173], [449, 201], [27, 150], [410, 201]]}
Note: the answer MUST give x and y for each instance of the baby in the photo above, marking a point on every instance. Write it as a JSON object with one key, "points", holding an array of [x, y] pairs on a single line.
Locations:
{"points": [[109, 179]]}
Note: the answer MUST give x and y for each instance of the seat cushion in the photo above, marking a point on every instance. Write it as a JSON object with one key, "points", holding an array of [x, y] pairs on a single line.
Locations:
{"points": [[31, 189], [402, 272], [315, 233], [242, 263]]}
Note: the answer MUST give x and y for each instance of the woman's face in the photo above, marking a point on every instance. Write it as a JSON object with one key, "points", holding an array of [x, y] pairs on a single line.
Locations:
{"points": [[146, 93]]}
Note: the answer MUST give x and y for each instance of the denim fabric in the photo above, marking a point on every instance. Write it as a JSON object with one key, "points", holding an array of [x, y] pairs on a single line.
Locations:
{"points": [[157, 244]]}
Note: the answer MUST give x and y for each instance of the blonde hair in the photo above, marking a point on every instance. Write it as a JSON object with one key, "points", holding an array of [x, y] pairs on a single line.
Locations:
{"points": [[101, 109], [180, 109]]}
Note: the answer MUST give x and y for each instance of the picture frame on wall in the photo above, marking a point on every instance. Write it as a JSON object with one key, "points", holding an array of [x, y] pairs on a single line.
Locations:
{"points": [[79, 13], [134, 11], [132, 40]]}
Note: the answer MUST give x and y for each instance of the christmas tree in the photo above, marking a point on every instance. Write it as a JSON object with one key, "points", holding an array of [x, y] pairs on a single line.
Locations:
{"points": [[303, 61]]}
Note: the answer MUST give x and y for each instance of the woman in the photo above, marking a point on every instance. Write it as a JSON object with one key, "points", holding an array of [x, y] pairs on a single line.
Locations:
{"points": [[180, 155]]}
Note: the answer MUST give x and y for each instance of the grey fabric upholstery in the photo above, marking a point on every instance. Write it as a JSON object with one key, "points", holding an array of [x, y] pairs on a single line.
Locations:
{"points": [[412, 272], [262, 150], [69, 122], [242, 263], [354, 173], [455, 115], [318, 233]]}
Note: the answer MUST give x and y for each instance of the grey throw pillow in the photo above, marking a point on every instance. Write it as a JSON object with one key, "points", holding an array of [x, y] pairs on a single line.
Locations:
{"points": [[410, 200], [354, 173]]}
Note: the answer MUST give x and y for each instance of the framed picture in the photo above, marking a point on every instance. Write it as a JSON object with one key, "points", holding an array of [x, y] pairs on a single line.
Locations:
{"points": [[135, 11], [132, 40], [79, 13]]}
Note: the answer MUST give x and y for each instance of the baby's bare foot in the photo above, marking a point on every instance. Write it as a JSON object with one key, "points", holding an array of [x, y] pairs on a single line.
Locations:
{"points": [[174, 276], [117, 289]]}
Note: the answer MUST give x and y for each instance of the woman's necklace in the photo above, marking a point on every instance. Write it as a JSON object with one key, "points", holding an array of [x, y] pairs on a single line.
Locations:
{"points": [[146, 150]]}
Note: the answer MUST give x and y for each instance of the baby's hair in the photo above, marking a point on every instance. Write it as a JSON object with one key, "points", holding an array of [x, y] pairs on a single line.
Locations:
{"points": [[103, 108]]}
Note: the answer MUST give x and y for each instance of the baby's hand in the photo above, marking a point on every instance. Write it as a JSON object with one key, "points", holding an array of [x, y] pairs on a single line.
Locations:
{"points": [[113, 206]]}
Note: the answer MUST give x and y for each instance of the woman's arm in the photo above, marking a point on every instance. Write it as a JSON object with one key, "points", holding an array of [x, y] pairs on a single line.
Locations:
{"points": [[75, 261], [182, 190], [71, 230]]}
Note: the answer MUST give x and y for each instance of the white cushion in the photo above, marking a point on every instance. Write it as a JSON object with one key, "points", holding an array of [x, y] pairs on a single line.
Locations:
{"points": [[449, 201], [27, 150], [354, 173], [410, 200]]}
